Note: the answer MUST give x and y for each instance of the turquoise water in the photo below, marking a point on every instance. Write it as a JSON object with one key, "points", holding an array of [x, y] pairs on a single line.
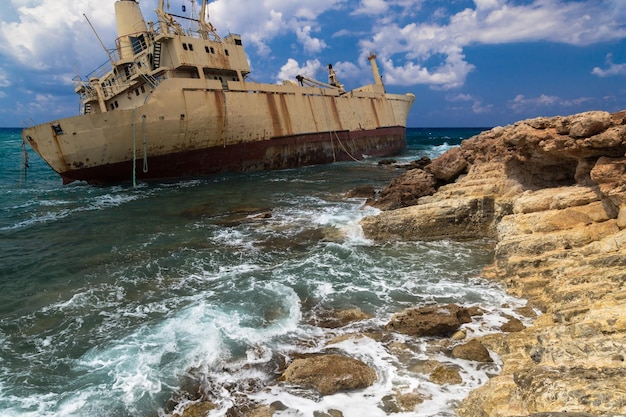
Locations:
{"points": [[113, 299]]}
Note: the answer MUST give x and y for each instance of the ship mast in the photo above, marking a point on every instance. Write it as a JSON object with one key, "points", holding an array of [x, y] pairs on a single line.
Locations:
{"points": [[205, 25]]}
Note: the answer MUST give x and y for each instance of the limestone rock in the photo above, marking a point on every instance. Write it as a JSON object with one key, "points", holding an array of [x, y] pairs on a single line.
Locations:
{"points": [[402, 402], [513, 325], [446, 375], [329, 374], [199, 409], [406, 189], [329, 413], [429, 321], [472, 351], [551, 192], [339, 318], [449, 166]]}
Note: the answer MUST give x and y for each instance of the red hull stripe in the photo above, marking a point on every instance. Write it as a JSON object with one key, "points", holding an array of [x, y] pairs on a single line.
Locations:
{"points": [[277, 153]]}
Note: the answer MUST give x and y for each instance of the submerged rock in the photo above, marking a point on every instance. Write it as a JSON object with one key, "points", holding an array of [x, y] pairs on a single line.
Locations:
{"points": [[429, 321], [329, 374], [446, 375], [339, 318], [199, 409]]}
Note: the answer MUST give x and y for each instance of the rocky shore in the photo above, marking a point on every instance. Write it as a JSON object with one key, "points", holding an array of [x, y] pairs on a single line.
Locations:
{"points": [[551, 192]]}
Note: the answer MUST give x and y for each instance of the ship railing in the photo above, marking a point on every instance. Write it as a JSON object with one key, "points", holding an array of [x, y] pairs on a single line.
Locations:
{"points": [[106, 66], [197, 33]]}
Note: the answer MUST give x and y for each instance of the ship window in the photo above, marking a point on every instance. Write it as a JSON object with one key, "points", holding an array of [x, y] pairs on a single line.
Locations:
{"points": [[112, 106], [138, 43], [185, 46], [143, 89], [190, 47], [116, 104], [212, 50], [237, 41], [136, 91], [226, 52], [206, 48], [57, 129]]}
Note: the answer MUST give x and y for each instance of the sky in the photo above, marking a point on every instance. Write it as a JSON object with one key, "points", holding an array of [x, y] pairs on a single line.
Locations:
{"points": [[470, 63]]}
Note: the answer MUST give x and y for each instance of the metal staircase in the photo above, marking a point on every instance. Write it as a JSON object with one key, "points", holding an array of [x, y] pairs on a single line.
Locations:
{"points": [[149, 79], [156, 55]]}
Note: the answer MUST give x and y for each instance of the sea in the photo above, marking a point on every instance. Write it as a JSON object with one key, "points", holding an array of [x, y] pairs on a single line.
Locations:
{"points": [[138, 300]]}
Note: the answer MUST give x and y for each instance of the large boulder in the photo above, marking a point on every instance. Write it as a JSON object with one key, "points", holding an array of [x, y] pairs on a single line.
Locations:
{"points": [[473, 350], [429, 321], [406, 189], [329, 374]]}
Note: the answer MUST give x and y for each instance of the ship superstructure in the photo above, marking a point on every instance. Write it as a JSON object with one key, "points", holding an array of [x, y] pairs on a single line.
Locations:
{"points": [[174, 102]]}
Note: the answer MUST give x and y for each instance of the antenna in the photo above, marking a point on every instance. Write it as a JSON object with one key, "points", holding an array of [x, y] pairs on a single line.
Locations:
{"points": [[101, 43]]}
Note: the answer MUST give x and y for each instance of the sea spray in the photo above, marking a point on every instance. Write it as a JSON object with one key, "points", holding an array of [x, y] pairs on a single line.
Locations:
{"points": [[117, 301]]}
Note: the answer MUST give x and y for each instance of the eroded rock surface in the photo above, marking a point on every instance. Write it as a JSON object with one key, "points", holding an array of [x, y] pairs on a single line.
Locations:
{"points": [[551, 193], [329, 374], [429, 321]]}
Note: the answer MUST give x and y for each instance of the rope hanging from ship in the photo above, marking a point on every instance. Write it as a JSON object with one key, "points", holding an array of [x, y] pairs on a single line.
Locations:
{"points": [[23, 164], [134, 148], [145, 147], [332, 145], [145, 144]]}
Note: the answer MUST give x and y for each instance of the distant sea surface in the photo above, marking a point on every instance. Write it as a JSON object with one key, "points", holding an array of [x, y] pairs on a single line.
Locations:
{"points": [[115, 300]]}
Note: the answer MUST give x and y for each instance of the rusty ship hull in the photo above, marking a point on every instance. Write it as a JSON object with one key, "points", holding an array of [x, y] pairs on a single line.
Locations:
{"points": [[148, 120]]}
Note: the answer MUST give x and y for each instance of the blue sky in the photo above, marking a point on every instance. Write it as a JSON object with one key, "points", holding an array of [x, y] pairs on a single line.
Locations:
{"points": [[469, 62]]}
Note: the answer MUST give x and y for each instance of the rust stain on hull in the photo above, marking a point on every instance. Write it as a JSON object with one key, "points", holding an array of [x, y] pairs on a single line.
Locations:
{"points": [[277, 153]]}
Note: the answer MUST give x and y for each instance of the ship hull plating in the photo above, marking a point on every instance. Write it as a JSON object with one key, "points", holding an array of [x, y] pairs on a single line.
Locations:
{"points": [[277, 153], [191, 128]]}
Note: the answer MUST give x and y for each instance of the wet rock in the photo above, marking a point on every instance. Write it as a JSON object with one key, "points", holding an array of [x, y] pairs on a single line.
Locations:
{"points": [[355, 336], [262, 411], [329, 374], [449, 166], [460, 335], [339, 318], [421, 163], [446, 375], [199, 409], [402, 402], [406, 190], [329, 413], [513, 325], [366, 191], [429, 321], [472, 351]]}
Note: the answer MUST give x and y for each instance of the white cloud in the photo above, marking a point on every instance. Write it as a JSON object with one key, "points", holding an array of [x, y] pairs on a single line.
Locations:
{"points": [[311, 45], [490, 22], [477, 105], [4, 79], [522, 104], [612, 68], [292, 68], [50, 34], [261, 22], [372, 7]]}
